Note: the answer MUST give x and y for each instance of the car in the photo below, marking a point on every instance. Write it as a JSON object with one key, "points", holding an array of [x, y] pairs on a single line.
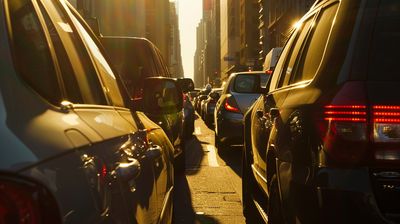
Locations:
{"points": [[271, 59], [197, 103], [208, 106], [193, 94], [187, 86], [238, 94], [321, 145], [137, 59], [72, 150]]}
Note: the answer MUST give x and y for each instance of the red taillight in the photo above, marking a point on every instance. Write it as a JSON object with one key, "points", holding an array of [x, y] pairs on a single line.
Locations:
{"points": [[23, 202], [231, 105], [344, 132], [386, 122], [269, 72]]}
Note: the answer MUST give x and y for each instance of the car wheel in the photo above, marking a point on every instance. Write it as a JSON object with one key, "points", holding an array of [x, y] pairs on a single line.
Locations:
{"points": [[274, 210], [250, 211]]}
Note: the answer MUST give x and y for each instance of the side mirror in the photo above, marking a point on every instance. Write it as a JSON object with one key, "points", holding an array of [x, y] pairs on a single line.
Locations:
{"points": [[186, 84], [161, 96], [214, 95]]}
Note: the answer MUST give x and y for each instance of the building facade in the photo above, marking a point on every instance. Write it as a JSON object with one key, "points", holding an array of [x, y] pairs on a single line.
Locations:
{"points": [[276, 21], [139, 18], [249, 34], [230, 37]]}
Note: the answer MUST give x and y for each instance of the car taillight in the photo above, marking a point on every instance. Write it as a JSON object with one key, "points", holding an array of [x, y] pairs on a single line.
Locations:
{"points": [[269, 71], [386, 132], [231, 105], [345, 132], [25, 202], [386, 123]]}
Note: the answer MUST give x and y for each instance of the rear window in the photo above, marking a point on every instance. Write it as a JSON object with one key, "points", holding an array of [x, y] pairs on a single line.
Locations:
{"points": [[250, 83], [384, 54]]}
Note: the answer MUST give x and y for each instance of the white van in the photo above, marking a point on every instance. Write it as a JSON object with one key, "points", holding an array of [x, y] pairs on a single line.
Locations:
{"points": [[271, 59]]}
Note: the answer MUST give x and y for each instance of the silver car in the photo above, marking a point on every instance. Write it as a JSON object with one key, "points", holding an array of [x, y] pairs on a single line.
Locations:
{"points": [[239, 93]]}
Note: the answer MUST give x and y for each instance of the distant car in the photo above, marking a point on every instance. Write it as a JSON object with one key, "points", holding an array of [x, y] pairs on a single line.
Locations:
{"points": [[239, 93], [193, 94], [71, 150], [202, 96], [208, 106], [322, 145], [271, 59], [137, 59]]}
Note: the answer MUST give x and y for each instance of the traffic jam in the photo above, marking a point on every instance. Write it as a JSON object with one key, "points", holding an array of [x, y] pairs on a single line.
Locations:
{"points": [[95, 128]]}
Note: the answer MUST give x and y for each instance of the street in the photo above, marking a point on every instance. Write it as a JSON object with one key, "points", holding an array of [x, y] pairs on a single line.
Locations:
{"points": [[210, 190]]}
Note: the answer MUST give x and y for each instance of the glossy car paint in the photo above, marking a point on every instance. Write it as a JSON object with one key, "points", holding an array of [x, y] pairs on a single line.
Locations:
{"points": [[77, 152], [229, 125], [283, 137]]}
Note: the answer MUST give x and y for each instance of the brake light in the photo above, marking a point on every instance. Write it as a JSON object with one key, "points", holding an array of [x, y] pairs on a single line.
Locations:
{"points": [[269, 71], [344, 132], [24, 202], [386, 121], [231, 105]]}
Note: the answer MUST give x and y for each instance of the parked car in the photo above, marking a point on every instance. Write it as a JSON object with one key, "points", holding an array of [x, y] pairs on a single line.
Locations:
{"points": [[208, 106], [239, 93], [188, 110], [321, 146], [193, 94], [137, 59], [71, 150], [197, 103]]}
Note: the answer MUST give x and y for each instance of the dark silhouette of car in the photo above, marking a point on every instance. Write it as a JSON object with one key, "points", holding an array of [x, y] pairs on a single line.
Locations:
{"points": [[72, 150], [208, 106], [322, 145], [239, 93], [138, 59]]}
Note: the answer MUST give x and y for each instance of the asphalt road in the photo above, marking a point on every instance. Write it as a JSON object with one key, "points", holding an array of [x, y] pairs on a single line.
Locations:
{"points": [[210, 190]]}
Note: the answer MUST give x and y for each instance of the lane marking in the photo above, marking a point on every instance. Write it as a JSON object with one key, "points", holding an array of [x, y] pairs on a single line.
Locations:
{"points": [[197, 131], [212, 156]]}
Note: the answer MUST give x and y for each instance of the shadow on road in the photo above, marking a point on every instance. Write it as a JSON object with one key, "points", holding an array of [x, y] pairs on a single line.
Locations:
{"points": [[183, 208], [233, 158], [194, 155]]}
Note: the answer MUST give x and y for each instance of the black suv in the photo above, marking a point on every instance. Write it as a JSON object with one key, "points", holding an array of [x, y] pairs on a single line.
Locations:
{"points": [[323, 145]]}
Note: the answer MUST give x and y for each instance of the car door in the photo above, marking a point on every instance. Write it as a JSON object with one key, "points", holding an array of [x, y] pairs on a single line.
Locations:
{"points": [[128, 193], [267, 112]]}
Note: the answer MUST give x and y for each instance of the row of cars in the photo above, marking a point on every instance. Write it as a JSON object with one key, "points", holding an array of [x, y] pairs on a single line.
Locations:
{"points": [[321, 142], [82, 138]]}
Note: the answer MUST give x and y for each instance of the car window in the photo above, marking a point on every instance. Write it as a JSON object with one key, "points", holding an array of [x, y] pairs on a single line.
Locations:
{"points": [[69, 80], [279, 65], [246, 83], [311, 60], [384, 58], [287, 72], [32, 54], [83, 78], [107, 75]]}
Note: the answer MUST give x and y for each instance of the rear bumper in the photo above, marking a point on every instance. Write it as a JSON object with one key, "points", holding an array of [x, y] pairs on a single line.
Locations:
{"points": [[345, 196], [230, 128]]}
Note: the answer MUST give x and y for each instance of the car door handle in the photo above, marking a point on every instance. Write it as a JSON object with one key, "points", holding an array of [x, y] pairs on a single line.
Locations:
{"points": [[129, 170], [274, 112]]}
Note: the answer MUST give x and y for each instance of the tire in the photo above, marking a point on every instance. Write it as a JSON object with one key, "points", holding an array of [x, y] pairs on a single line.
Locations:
{"points": [[250, 211], [274, 210]]}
